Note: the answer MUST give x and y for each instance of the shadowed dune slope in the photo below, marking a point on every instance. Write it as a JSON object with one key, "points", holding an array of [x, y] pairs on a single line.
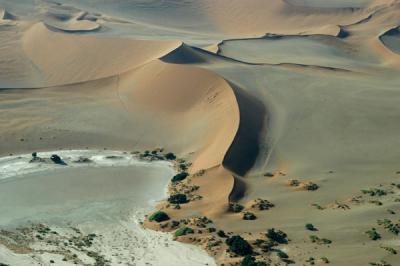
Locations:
{"points": [[391, 39], [67, 59]]}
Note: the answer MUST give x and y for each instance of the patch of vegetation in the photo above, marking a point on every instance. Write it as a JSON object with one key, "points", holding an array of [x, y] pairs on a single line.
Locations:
{"points": [[277, 236], [310, 227], [376, 202], [159, 216], [320, 241], [390, 226], [239, 246], [179, 177], [251, 261], [262, 204], [212, 229], [235, 207], [373, 234], [170, 156], [311, 260], [380, 263], [325, 260], [294, 183], [391, 211], [184, 231], [282, 254], [310, 186], [390, 250], [249, 216], [178, 198], [374, 192], [99, 260], [221, 233], [319, 207]]}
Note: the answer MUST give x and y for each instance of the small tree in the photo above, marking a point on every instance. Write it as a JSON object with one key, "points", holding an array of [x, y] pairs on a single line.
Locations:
{"points": [[178, 198], [170, 156], [179, 177], [159, 216], [183, 231], [239, 246], [277, 236]]}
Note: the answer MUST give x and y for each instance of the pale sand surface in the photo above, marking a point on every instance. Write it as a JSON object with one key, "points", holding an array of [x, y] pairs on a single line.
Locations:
{"points": [[298, 89]]}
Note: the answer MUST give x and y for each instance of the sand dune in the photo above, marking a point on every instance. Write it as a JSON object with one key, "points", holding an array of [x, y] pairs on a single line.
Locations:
{"points": [[79, 59]]}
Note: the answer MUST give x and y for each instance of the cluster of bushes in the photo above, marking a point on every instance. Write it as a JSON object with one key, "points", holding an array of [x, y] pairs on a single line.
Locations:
{"points": [[390, 226], [159, 216], [239, 246], [316, 239], [251, 261], [184, 231], [178, 198], [249, 216], [373, 234], [179, 177], [235, 207], [277, 236], [311, 227], [374, 192]]}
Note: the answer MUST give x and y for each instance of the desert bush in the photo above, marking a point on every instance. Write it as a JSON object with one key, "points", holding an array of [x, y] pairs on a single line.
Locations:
{"points": [[249, 216], [179, 177], [184, 231], [277, 236], [316, 239], [177, 198], [373, 234], [390, 250], [170, 156], [239, 246], [251, 261], [310, 227], [374, 192], [159, 216], [235, 207], [221, 233]]}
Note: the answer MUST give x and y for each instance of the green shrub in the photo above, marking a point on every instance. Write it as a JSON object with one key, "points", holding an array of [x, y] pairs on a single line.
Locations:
{"points": [[179, 177], [316, 239], [235, 207], [277, 236], [170, 156], [282, 254], [249, 216], [239, 246], [183, 231], [221, 233], [178, 198], [212, 229], [390, 250], [310, 227], [159, 216], [325, 260], [381, 263], [373, 234], [251, 261]]}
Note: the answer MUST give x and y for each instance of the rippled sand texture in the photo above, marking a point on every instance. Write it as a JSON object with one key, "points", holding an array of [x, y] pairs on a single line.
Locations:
{"points": [[303, 89]]}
